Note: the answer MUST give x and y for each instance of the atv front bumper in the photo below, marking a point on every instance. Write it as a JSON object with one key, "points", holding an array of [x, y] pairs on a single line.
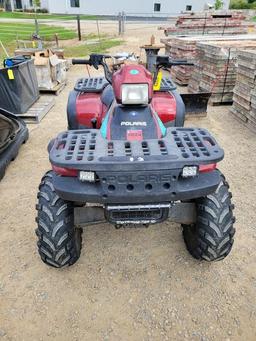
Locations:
{"points": [[128, 172], [129, 188]]}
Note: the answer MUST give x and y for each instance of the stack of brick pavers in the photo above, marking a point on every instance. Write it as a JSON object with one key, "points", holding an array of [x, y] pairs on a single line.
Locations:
{"points": [[184, 48], [244, 100], [187, 48], [216, 68], [210, 23]]}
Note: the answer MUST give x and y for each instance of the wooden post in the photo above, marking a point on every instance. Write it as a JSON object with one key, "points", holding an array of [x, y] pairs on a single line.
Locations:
{"points": [[56, 39], [79, 28]]}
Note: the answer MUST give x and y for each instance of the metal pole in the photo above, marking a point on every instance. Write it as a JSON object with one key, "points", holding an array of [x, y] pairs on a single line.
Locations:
{"points": [[36, 22], [123, 22], [119, 23], [79, 28], [98, 29], [40, 44]]}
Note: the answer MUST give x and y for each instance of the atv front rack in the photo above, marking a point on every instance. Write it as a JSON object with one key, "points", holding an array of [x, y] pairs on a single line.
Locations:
{"points": [[88, 150], [92, 84]]}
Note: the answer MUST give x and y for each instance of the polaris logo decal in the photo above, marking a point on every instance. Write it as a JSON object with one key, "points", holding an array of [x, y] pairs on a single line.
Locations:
{"points": [[140, 178], [134, 124]]}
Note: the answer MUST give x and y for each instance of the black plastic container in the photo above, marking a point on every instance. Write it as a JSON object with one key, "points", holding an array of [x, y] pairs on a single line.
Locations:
{"points": [[19, 94]]}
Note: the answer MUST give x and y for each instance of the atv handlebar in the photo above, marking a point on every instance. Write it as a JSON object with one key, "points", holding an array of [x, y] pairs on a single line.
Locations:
{"points": [[96, 60], [166, 61], [81, 61], [181, 62]]}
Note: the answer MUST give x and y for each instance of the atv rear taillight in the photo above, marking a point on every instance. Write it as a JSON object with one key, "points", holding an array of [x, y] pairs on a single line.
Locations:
{"points": [[65, 171], [207, 168]]}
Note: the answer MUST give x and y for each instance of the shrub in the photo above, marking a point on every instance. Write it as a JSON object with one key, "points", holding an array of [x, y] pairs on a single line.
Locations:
{"points": [[242, 4], [42, 10]]}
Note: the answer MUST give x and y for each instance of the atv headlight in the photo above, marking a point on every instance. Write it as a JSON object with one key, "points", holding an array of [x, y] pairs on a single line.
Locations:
{"points": [[87, 176], [135, 94], [189, 171]]}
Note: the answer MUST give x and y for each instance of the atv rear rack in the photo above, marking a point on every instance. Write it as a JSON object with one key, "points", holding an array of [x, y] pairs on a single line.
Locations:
{"points": [[88, 150]]}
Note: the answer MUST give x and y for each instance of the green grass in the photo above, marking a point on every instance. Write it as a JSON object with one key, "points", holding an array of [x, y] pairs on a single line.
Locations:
{"points": [[86, 50], [21, 15], [11, 32]]}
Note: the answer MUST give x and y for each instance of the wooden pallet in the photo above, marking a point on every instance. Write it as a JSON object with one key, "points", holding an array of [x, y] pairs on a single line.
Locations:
{"points": [[246, 123], [218, 104], [38, 110], [55, 91]]}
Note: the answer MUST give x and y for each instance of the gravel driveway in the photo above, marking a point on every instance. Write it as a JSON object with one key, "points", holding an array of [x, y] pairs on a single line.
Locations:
{"points": [[131, 284]]}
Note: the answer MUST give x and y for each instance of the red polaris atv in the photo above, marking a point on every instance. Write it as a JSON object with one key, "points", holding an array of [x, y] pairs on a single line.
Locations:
{"points": [[126, 159]]}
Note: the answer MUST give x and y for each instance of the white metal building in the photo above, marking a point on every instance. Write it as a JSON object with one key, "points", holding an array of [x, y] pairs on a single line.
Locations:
{"points": [[131, 7], [12, 5]]}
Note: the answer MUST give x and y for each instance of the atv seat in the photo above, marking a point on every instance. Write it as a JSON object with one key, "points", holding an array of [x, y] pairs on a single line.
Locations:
{"points": [[108, 96]]}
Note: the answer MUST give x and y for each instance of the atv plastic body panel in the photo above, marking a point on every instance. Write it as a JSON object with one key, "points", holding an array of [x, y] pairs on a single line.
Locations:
{"points": [[135, 171], [125, 123], [131, 74], [92, 97]]}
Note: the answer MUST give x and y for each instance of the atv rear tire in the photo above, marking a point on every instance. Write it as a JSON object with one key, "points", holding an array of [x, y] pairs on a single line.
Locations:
{"points": [[59, 242], [211, 238]]}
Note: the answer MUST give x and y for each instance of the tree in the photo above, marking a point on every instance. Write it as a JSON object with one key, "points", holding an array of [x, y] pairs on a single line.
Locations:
{"points": [[36, 3], [239, 4], [218, 4]]}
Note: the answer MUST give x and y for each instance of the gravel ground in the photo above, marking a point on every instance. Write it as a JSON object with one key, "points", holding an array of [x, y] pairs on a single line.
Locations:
{"points": [[131, 284]]}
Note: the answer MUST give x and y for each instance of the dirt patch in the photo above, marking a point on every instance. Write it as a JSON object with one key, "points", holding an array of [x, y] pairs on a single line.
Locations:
{"points": [[129, 284]]}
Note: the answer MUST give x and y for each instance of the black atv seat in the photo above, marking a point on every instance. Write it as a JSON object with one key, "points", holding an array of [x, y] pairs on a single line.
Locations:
{"points": [[96, 84], [107, 96]]}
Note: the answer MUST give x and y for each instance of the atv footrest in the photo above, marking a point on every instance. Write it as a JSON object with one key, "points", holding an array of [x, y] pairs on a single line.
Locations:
{"points": [[96, 84], [88, 150]]}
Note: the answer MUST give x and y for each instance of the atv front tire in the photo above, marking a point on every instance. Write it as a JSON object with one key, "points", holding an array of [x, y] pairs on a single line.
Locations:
{"points": [[212, 237], [59, 242]]}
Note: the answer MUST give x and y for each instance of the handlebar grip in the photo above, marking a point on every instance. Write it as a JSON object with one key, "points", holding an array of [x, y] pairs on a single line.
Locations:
{"points": [[181, 62], [81, 62]]}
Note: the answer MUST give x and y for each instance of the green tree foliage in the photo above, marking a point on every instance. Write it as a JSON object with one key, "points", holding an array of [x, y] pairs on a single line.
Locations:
{"points": [[218, 4], [37, 3], [243, 4]]}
